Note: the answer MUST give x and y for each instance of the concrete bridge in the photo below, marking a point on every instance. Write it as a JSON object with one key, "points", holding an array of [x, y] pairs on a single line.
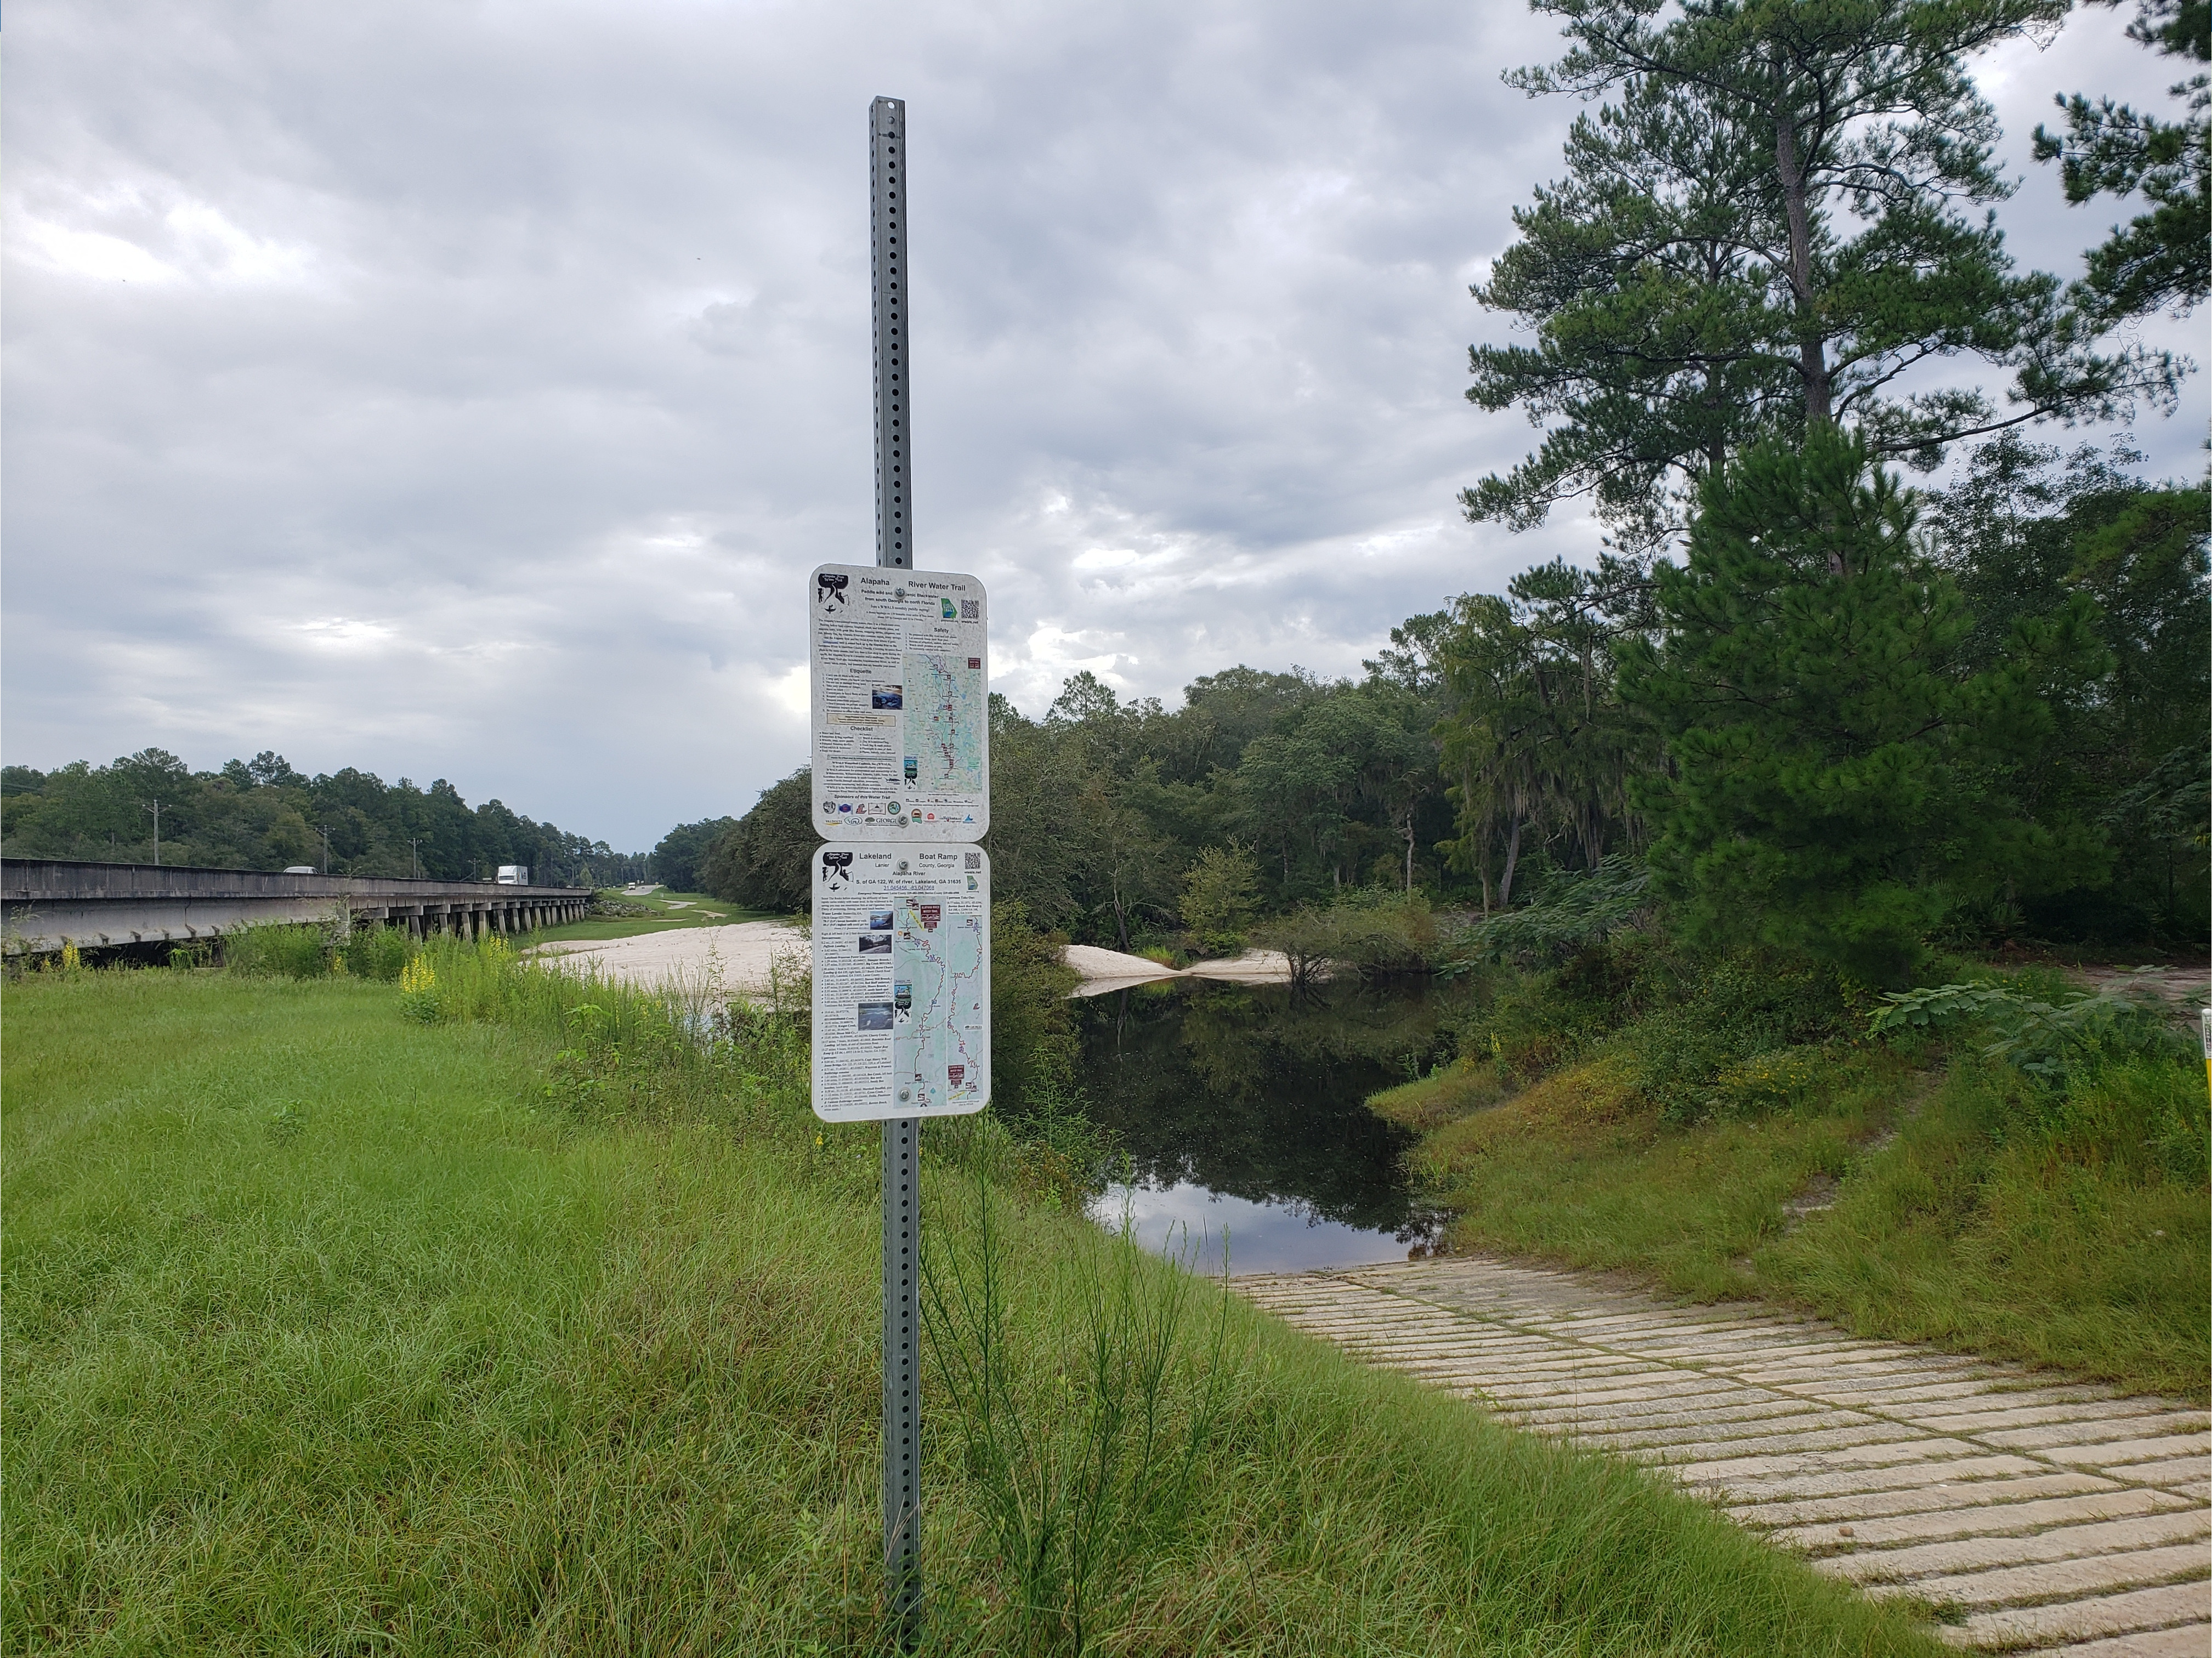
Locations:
{"points": [[45, 903]]}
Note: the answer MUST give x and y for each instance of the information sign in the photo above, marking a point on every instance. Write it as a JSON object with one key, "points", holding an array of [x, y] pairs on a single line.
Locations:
{"points": [[901, 704], [902, 981]]}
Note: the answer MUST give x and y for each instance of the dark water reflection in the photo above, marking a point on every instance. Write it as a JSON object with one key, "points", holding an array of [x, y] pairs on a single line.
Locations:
{"points": [[1243, 1107]]}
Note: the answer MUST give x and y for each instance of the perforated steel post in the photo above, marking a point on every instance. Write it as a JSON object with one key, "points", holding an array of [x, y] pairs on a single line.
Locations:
{"points": [[903, 1372], [893, 454], [902, 1135]]}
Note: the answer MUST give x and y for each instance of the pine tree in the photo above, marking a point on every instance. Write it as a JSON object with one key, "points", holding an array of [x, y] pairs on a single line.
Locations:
{"points": [[1839, 780], [1770, 219], [2163, 257]]}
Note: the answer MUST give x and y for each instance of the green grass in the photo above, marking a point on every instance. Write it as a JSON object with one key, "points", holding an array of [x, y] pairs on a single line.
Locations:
{"points": [[330, 1330], [1577, 1170], [1984, 1226], [1966, 1204]]}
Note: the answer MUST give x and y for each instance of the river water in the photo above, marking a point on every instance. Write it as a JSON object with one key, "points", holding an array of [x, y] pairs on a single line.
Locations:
{"points": [[1242, 1110]]}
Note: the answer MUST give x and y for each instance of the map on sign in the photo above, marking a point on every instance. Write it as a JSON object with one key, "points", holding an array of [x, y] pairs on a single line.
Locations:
{"points": [[901, 981], [901, 700], [946, 717], [938, 994]]}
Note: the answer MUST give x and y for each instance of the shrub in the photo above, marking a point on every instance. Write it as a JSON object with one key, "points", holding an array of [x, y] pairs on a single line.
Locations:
{"points": [[1536, 1021], [1373, 931], [377, 952], [289, 949], [1573, 915], [1780, 1079], [1220, 895], [1736, 1006], [418, 990], [1087, 1438], [2044, 1038], [1740, 1032]]}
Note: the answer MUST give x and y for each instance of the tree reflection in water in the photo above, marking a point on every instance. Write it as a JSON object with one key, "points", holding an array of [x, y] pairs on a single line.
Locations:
{"points": [[1259, 1093]]}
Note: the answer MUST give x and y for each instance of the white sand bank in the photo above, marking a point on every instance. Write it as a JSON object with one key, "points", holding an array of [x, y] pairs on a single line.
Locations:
{"points": [[1105, 970], [742, 953]]}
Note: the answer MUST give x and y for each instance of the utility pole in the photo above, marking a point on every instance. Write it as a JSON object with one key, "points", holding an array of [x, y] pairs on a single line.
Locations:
{"points": [[902, 1135], [414, 862], [325, 828], [155, 806]]}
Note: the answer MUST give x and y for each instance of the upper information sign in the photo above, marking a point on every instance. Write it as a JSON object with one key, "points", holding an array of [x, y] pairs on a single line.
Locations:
{"points": [[901, 704]]}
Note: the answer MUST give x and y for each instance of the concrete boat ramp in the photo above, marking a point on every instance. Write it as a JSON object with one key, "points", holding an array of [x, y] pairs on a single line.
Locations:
{"points": [[2038, 1515]]}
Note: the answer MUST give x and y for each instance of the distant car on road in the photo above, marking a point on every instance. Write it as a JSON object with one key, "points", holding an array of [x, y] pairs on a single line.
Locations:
{"points": [[299, 869]]}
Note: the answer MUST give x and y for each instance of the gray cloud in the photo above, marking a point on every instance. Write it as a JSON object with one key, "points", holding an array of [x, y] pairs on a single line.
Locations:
{"points": [[463, 390]]}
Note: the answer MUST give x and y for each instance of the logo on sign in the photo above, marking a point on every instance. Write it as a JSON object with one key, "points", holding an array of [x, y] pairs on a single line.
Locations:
{"points": [[830, 592], [836, 867]]}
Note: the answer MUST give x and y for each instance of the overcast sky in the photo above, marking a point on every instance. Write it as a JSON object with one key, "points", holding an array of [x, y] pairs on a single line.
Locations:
{"points": [[464, 389]]}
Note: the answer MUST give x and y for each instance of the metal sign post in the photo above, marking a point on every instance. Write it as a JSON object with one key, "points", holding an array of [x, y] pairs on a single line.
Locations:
{"points": [[902, 1135], [900, 665]]}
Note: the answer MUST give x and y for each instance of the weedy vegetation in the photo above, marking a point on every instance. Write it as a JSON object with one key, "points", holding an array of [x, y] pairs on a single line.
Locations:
{"points": [[545, 1321], [2002, 1163]]}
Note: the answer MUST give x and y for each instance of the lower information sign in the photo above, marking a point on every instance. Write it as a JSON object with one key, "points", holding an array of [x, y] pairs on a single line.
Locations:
{"points": [[901, 981]]}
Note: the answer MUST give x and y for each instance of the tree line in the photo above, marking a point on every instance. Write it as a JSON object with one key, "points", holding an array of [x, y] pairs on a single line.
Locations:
{"points": [[1816, 707], [261, 814], [1851, 718]]}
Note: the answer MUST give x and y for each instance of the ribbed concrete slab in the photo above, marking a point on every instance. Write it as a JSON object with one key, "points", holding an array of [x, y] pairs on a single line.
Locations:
{"points": [[1944, 1509], [2141, 1613], [2062, 1543], [2040, 1515], [2013, 1514], [2189, 1641]]}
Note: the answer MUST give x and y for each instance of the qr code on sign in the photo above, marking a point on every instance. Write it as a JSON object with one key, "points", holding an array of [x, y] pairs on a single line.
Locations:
{"points": [[971, 610], [974, 860]]}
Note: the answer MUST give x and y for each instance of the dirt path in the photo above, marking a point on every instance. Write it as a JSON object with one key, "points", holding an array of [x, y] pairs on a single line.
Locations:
{"points": [[2037, 1515], [2184, 987]]}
